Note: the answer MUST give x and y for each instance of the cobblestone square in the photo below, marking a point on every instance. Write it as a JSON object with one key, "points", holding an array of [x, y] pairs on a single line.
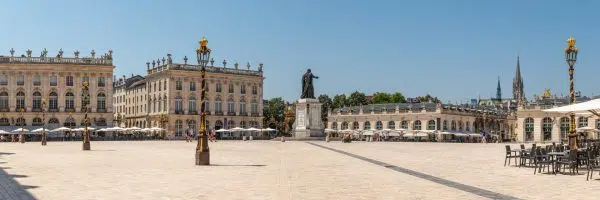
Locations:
{"points": [[276, 170]]}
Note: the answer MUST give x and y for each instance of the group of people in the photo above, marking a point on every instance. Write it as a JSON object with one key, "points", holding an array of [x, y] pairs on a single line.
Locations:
{"points": [[189, 136]]}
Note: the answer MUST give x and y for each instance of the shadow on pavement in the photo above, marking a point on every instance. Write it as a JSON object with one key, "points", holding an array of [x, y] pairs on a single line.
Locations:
{"points": [[10, 188]]}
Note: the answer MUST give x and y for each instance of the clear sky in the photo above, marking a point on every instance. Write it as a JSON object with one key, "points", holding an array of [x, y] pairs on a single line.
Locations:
{"points": [[451, 49]]}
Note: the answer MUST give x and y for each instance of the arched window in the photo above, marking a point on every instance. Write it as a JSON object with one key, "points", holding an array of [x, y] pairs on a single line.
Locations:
{"points": [[53, 80], [69, 101], [37, 81], [101, 122], [230, 88], [178, 128], [230, 124], [547, 128], [192, 105], [37, 122], [243, 124], [192, 127], [344, 125], [445, 125], [565, 124], [21, 122], [431, 125], [53, 121], [583, 122], [178, 105], [404, 124], [334, 126], [453, 125], [4, 101], [417, 125], [101, 102], [218, 87], [20, 80], [20, 101], [379, 125], [218, 124], [468, 126], [529, 129], [218, 107], [243, 107], [3, 80], [243, 89], [391, 125], [70, 123], [367, 125], [230, 106], [4, 122], [37, 101], [254, 89], [355, 126], [460, 125], [53, 102]]}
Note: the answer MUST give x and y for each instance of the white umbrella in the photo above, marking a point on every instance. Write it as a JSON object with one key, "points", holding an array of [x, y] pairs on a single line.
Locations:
{"points": [[156, 129], [4, 132], [237, 129], [421, 135], [61, 129], [329, 130], [408, 135], [116, 128], [368, 133], [20, 130], [145, 130], [253, 129], [268, 129], [585, 107], [475, 135], [133, 129], [583, 129], [222, 130], [40, 130], [394, 134]]}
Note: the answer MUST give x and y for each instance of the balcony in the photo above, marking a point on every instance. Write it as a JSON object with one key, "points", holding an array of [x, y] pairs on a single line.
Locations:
{"points": [[36, 109], [231, 114], [179, 112], [254, 115], [19, 109], [101, 110], [192, 112], [219, 113], [243, 114], [69, 109], [52, 109], [4, 110]]}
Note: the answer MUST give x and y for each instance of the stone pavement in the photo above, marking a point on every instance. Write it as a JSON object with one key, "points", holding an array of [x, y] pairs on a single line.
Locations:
{"points": [[275, 170]]}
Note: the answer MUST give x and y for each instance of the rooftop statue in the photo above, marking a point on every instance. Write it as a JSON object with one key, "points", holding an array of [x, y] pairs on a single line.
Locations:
{"points": [[308, 91]]}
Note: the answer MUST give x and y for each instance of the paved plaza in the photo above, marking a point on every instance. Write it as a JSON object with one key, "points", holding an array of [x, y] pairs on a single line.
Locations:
{"points": [[276, 170]]}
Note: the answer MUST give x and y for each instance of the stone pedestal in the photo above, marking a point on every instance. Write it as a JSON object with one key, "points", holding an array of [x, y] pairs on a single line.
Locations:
{"points": [[308, 119], [86, 146]]}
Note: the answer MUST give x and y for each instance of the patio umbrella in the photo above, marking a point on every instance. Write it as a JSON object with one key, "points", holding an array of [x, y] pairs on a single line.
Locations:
{"points": [[253, 129], [268, 129], [408, 135], [237, 129], [40, 130], [421, 135], [222, 130], [4, 132], [20, 130], [133, 129], [156, 129], [587, 128], [61, 129]]}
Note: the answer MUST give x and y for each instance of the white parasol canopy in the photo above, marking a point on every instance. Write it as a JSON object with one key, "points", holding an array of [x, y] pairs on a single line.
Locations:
{"points": [[237, 129], [408, 135], [4, 132], [394, 134], [592, 106], [253, 129], [368, 133], [40, 130], [268, 129], [156, 129], [222, 130], [83, 129], [61, 129], [133, 129], [587, 128], [20, 130], [421, 135], [329, 130]]}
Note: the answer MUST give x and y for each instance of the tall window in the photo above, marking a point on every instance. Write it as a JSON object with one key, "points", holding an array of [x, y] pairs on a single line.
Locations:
{"points": [[453, 125], [21, 122], [230, 106], [159, 85], [165, 85], [53, 101], [20, 80], [192, 127], [254, 107], [101, 82], [159, 104], [355, 126], [37, 80], [69, 101], [367, 125], [192, 86], [178, 104], [445, 125], [583, 122], [468, 126], [101, 101], [565, 123], [178, 128], [192, 104], [37, 122], [529, 129], [334, 126], [254, 89], [218, 104], [53, 123], [165, 103], [53, 80], [243, 107], [69, 80], [379, 125], [417, 125], [243, 89], [3, 80], [230, 88], [4, 101], [37, 101], [218, 87], [431, 125], [460, 125], [20, 101], [206, 105], [178, 85], [547, 128], [344, 125], [404, 124]]}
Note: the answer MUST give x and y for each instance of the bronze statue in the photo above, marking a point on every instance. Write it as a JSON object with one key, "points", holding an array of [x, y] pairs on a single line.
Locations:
{"points": [[308, 91]]}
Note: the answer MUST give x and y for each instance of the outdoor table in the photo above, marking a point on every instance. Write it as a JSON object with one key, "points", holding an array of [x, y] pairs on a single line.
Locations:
{"points": [[554, 157]]}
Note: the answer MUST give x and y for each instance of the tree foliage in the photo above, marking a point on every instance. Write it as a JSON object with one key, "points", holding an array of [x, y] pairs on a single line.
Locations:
{"points": [[326, 104], [339, 101], [273, 113], [357, 99], [428, 98]]}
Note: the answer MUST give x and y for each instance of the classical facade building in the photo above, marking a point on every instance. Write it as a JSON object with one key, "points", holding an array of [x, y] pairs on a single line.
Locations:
{"points": [[26, 82], [423, 116], [168, 97]]}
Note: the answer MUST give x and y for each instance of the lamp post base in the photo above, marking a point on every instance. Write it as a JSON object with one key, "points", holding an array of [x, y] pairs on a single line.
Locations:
{"points": [[202, 157], [44, 142], [86, 146], [573, 141], [21, 138]]}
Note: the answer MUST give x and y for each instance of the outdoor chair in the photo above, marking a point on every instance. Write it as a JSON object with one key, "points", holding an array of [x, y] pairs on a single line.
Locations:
{"points": [[592, 165], [528, 156], [570, 161], [542, 160], [509, 155]]}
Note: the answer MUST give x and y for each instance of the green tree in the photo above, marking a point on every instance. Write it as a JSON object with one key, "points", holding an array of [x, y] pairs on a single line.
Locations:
{"points": [[273, 114], [398, 98], [339, 101], [428, 98], [357, 99], [381, 97], [326, 104]]}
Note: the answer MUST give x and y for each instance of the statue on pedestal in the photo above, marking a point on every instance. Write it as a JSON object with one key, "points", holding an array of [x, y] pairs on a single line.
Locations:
{"points": [[308, 91]]}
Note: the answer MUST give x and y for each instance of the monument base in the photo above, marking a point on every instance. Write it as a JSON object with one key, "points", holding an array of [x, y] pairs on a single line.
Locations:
{"points": [[86, 146], [308, 119]]}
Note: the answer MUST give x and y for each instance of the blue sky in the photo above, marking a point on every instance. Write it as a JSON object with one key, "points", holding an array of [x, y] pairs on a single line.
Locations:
{"points": [[451, 49]]}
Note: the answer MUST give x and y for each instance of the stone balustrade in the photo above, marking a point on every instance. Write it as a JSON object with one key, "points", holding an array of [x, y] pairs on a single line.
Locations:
{"points": [[56, 60]]}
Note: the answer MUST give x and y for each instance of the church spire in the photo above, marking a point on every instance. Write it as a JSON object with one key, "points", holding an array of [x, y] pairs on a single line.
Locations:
{"points": [[498, 91], [518, 93]]}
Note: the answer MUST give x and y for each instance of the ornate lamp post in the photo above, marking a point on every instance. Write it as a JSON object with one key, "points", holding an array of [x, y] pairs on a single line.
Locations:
{"points": [[86, 101], [22, 133], [44, 140], [202, 151], [571, 58]]}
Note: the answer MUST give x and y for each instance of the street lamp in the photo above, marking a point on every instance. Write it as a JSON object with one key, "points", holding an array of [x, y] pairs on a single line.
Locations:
{"points": [[86, 98], [202, 151], [22, 134], [571, 58], [44, 140]]}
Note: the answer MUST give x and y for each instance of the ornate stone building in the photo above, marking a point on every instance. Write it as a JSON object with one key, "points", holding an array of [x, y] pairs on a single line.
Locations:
{"points": [[26, 82], [168, 97]]}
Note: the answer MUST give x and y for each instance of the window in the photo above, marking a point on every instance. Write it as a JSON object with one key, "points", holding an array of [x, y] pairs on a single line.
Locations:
{"points": [[192, 127], [20, 101], [583, 122], [178, 85], [391, 125], [404, 125], [565, 124], [344, 125], [547, 128], [206, 105], [20, 80], [3, 80], [53, 123], [53, 80], [192, 86], [453, 125], [165, 85], [243, 89], [101, 82], [445, 125], [460, 125], [254, 89], [218, 105], [4, 122], [468, 126], [159, 104], [230, 106], [334, 126], [69, 101], [21, 122], [178, 104], [37, 80], [165, 103], [69, 80], [379, 125], [529, 129], [37, 101], [367, 125], [355, 126], [243, 124], [37, 122], [53, 101], [218, 124], [101, 102], [431, 125], [101, 122], [417, 125], [230, 124], [243, 107], [159, 85], [218, 87], [231, 88], [4, 101], [192, 105]]}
